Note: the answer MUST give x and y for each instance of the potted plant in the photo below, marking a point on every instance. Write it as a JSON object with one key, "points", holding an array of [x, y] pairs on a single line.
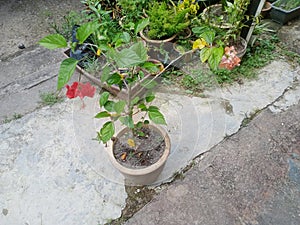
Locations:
{"points": [[140, 150], [229, 17], [285, 10], [165, 22]]}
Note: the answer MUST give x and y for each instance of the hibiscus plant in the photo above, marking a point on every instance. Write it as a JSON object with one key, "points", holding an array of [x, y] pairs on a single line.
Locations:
{"points": [[127, 68]]}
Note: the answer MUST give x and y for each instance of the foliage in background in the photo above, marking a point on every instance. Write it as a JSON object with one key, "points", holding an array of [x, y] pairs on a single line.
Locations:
{"points": [[165, 21], [287, 4]]}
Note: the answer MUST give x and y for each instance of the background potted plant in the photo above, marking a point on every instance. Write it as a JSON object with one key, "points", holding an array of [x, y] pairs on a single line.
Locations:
{"points": [[285, 10], [165, 22], [229, 19]]}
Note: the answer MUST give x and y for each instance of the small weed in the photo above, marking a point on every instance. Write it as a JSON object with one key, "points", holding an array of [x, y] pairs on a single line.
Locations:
{"points": [[250, 117], [50, 98], [14, 117]]}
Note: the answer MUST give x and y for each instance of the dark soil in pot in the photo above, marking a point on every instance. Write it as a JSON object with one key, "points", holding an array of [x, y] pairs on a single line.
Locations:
{"points": [[148, 149]]}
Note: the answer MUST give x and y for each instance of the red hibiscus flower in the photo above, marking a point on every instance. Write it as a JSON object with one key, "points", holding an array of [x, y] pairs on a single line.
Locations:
{"points": [[80, 89], [71, 91]]}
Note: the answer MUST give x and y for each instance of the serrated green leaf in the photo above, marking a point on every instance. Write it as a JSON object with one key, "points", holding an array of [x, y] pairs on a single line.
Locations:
{"points": [[102, 115], [119, 106], [85, 30], [157, 117], [103, 98], [107, 132], [53, 41], [127, 121], [66, 70], [132, 56]]}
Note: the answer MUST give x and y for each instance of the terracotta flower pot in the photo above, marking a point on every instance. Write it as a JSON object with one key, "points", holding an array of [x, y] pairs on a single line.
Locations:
{"points": [[142, 176], [266, 10], [143, 36]]}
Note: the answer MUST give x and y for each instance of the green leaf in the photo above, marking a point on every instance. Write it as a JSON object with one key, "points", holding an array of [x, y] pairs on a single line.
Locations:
{"points": [[85, 30], [105, 74], [103, 98], [199, 30], [205, 54], [119, 106], [135, 100], [143, 107], [66, 70], [153, 108], [139, 125], [127, 121], [149, 84], [151, 67], [141, 25], [53, 41], [132, 56], [107, 131], [216, 57], [157, 117], [126, 37], [208, 36], [114, 79], [109, 106], [102, 115], [150, 97]]}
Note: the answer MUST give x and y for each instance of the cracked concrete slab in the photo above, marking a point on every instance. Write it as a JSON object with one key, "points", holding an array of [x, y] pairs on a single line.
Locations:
{"points": [[44, 178], [251, 177]]}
